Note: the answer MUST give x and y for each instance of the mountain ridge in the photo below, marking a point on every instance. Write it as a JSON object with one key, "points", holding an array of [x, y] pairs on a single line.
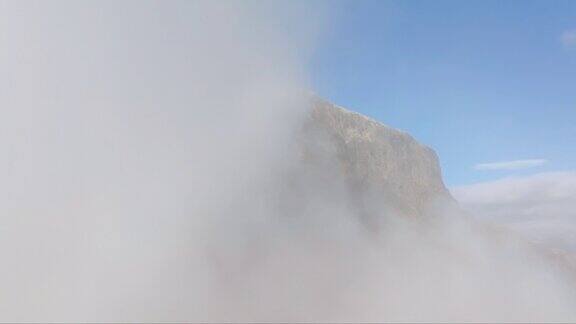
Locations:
{"points": [[379, 163]]}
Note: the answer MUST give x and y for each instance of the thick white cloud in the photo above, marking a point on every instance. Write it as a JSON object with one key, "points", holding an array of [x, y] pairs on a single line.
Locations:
{"points": [[144, 154], [511, 165], [541, 206]]}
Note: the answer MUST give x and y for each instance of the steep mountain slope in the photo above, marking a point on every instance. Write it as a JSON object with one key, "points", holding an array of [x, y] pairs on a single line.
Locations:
{"points": [[381, 165]]}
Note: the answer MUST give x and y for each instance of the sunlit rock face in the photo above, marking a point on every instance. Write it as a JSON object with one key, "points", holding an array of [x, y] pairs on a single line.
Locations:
{"points": [[360, 167], [380, 164]]}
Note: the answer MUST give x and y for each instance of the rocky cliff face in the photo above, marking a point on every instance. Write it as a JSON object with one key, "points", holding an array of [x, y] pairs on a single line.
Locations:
{"points": [[386, 171], [382, 168]]}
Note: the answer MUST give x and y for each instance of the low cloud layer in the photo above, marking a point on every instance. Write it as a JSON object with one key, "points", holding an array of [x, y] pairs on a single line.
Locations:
{"points": [[541, 206], [511, 165]]}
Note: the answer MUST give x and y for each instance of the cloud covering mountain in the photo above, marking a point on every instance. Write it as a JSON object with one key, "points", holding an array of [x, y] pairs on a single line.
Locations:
{"points": [[160, 163]]}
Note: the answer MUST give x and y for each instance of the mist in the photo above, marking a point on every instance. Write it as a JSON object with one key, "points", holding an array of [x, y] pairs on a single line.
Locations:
{"points": [[151, 173], [540, 206]]}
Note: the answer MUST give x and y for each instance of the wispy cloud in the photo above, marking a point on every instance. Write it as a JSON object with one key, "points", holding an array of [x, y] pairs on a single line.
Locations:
{"points": [[511, 165], [568, 38]]}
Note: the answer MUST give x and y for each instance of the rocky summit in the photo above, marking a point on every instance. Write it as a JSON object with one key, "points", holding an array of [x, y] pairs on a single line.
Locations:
{"points": [[381, 169]]}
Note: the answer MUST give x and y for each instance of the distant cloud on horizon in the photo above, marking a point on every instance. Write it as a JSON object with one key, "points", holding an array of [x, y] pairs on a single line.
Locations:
{"points": [[541, 206], [511, 165], [568, 38]]}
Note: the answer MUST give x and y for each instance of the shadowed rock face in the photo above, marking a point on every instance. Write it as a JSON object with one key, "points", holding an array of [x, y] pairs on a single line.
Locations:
{"points": [[381, 166]]}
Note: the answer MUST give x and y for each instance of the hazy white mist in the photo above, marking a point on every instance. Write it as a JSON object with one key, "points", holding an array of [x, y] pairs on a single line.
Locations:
{"points": [[540, 206], [143, 147]]}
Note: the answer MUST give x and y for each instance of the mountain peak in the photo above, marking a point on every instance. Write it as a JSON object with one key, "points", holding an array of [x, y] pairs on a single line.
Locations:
{"points": [[381, 166]]}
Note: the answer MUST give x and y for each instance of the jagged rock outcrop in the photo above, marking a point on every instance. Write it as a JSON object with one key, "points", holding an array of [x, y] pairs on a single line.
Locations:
{"points": [[379, 163]]}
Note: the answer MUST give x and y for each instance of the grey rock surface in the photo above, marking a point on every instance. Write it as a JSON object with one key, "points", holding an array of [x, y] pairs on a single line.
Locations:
{"points": [[382, 166]]}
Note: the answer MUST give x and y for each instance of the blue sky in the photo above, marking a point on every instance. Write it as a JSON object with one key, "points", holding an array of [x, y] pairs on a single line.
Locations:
{"points": [[478, 81]]}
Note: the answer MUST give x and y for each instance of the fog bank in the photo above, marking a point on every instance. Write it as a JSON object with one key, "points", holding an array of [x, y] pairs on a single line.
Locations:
{"points": [[146, 151]]}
